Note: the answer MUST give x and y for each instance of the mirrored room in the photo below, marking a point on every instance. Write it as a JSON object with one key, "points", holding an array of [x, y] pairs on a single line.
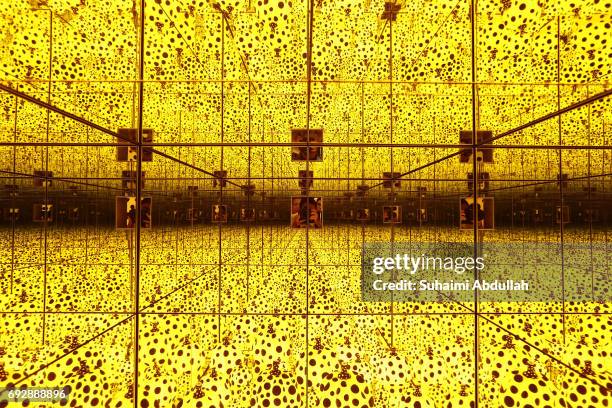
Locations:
{"points": [[194, 194]]}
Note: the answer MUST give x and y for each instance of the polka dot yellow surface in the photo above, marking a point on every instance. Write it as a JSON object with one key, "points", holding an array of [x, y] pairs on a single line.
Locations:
{"points": [[134, 134]]}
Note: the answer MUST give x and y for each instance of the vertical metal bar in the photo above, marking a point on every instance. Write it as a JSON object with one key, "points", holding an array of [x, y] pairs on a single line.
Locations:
{"points": [[220, 256], [348, 188], [47, 181], [248, 228], [138, 200], [97, 225], [363, 201], [391, 152], [263, 160], [308, 103], [589, 200], [176, 219], [129, 234], [524, 211], [362, 133], [475, 195], [13, 198], [560, 155], [86, 194], [434, 177]]}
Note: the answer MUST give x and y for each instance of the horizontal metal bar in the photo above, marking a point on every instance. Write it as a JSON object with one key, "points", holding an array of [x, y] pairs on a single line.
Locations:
{"points": [[17, 175], [271, 178], [299, 314], [333, 92], [540, 182], [318, 144], [314, 81]]}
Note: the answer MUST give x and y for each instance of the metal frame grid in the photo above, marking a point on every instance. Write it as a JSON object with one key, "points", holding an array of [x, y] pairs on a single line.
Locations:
{"points": [[285, 237]]}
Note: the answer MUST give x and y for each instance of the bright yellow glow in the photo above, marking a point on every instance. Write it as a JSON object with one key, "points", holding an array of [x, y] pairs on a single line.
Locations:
{"points": [[269, 316]]}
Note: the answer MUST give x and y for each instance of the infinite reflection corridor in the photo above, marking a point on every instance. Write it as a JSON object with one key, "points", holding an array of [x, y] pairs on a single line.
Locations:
{"points": [[194, 195]]}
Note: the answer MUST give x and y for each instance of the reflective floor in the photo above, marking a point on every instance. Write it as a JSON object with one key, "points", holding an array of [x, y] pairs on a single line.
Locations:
{"points": [[253, 328]]}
